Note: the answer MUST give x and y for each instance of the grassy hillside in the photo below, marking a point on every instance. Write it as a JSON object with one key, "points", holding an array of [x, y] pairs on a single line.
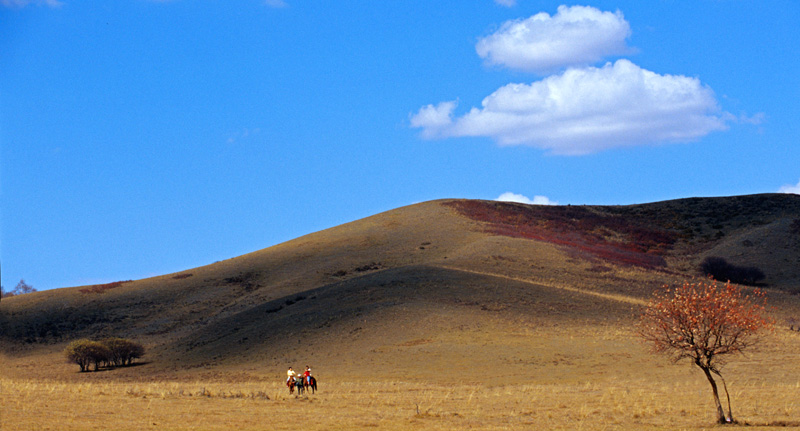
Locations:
{"points": [[449, 314], [418, 286]]}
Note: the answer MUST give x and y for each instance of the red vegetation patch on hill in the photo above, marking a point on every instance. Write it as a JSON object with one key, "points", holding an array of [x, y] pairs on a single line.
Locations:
{"points": [[610, 237], [100, 288]]}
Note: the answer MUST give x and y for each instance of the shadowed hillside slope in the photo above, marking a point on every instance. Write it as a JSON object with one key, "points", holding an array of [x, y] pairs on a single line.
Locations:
{"points": [[450, 283]]}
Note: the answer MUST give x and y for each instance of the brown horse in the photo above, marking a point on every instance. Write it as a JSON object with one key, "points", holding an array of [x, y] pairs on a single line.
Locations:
{"points": [[310, 385], [295, 382]]}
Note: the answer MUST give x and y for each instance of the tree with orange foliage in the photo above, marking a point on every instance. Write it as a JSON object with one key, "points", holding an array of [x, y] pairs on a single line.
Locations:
{"points": [[703, 322]]}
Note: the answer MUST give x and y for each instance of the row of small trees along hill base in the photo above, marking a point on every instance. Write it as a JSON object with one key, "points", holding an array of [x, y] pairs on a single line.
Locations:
{"points": [[107, 353]]}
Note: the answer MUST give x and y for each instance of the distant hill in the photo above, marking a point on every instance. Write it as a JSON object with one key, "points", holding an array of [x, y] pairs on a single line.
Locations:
{"points": [[382, 289]]}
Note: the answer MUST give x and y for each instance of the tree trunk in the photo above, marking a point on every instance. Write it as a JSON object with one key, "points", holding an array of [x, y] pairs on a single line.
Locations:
{"points": [[721, 419], [727, 395]]}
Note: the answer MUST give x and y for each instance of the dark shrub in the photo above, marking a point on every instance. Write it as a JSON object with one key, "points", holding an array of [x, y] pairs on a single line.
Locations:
{"points": [[721, 270], [795, 227]]}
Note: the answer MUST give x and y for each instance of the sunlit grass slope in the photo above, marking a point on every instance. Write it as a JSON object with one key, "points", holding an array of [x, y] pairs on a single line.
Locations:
{"points": [[451, 285]]}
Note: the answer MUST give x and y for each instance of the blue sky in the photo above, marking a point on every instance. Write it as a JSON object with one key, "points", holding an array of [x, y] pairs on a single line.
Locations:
{"points": [[140, 137]]}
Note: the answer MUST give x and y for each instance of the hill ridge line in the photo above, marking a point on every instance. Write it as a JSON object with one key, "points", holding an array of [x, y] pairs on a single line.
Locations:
{"points": [[609, 296]]}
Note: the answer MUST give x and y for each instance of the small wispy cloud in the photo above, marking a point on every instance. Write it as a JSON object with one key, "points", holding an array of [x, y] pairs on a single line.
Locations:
{"points": [[788, 188], [242, 134], [506, 3], [18, 4], [575, 36], [514, 197], [275, 3], [755, 119]]}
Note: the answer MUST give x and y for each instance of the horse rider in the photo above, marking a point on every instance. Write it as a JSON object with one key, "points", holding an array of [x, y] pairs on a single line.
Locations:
{"points": [[290, 375], [307, 375]]}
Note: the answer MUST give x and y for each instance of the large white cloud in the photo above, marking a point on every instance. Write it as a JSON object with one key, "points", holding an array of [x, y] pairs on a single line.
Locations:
{"points": [[585, 110], [514, 197], [575, 36], [788, 188]]}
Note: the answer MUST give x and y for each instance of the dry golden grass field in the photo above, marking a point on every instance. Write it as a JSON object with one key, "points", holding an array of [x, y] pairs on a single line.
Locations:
{"points": [[445, 315], [607, 384]]}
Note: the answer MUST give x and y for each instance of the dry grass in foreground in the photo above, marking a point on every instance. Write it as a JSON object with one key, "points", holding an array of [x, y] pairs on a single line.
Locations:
{"points": [[595, 381], [391, 405]]}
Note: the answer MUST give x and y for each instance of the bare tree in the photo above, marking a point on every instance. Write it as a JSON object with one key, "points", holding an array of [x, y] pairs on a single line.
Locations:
{"points": [[704, 323], [21, 289]]}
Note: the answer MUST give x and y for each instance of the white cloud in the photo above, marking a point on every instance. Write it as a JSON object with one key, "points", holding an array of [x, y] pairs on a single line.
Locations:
{"points": [[788, 188], [575, 36], [583, 111], [506, 3], [242, 134], [755, 119], [433, 119], [16, 4], [537, 200]]}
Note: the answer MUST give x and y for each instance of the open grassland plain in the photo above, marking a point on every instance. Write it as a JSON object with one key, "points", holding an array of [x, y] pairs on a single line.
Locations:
{"points": [[590, 379], [444, 315]]}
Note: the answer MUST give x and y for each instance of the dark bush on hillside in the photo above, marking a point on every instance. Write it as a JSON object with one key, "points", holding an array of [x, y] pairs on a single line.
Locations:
{"points": [[719, 269], [110, 352], [795, 227]]}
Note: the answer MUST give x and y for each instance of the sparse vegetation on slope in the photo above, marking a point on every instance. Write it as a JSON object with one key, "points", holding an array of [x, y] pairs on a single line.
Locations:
{"points": [[586, 229]]}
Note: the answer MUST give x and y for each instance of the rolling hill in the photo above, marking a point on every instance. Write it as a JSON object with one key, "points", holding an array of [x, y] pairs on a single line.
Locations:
{"points": [[461, 285]]}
